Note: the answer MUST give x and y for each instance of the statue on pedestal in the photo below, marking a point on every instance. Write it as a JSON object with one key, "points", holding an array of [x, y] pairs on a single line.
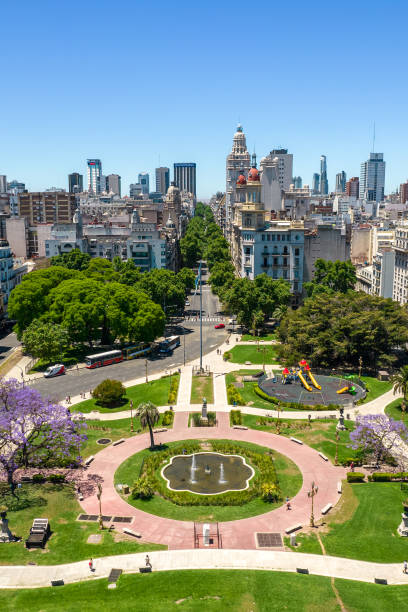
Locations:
{"points": [[5, 533]]}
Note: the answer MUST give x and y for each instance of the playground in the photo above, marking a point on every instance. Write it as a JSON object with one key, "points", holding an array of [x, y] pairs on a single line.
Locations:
{"points": [[299, 385]]}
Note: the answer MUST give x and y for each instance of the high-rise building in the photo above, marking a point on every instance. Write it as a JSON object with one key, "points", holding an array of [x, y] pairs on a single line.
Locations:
{"points": [[341, 182], [285, 166], [144, 181], [372, 178], [324, 184], [135, 190], [15, 187], [353, 187], [47, 207], [113, 184], [297, 182], [404, 192], [103, 183], [3, 183], [162, 179], [75, 182], [316, 183], [238, 161], [185, 177], [94, 175]]}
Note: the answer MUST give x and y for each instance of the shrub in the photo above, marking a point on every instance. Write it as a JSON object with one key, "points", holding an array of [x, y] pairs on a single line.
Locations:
{"points": [[38, 478], [168, 418], [227, 356], [172, 396], [56, 478], [143, 488], [234, 396], [270, 491], [355, 477], [109, 392], [236, 417]]}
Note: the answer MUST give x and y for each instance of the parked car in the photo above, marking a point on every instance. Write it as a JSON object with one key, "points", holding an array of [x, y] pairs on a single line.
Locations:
{"points": [[219, 326], [54, 370], [187, 303]]}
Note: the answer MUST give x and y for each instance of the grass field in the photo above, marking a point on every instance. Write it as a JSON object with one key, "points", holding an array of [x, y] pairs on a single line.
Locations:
{"points": [[210, 591], [202, 386], [394, 411], [290, 480], [263, 338], [321, 435], [156, 391], [241, 354], [365, 525], [375, 387], [68, 541]]}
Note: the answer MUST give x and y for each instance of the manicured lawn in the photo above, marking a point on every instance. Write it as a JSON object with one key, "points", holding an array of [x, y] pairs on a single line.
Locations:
{"points": [[202, 386], [263, 338], [156, 391], [266, 354], [290, 481], [212, 591], [375, 387], [394, 411], [365, 526], [321, 435], [68, 541]]}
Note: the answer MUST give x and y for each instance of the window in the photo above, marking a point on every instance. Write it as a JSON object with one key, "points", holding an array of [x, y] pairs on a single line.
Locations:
{"points": [[265, 262], [296, 251], [268, 237], [263, 237], [296, 261], [247, 250], [285, 261], [278, 237], [275, 261]]}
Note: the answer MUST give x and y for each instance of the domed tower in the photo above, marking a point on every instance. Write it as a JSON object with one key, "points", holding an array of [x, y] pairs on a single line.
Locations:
{"points": [[238, 162]]}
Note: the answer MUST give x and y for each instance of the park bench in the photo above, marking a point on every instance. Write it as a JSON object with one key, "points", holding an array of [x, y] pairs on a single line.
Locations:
{"points": [[239, 427], [293, 528], [39, 533], [89, 460], [339, 487], [160, 430], [118, 442], [323, 457], [128, 531], [296, 440], [326, 508]]}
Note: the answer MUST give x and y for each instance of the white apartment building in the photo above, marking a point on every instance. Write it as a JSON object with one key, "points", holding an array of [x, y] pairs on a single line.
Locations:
{"points": [[400, 247]]}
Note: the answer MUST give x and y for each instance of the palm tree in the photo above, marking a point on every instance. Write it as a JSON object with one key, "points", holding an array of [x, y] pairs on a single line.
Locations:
{"points": [[149, 416], [400, 383]]}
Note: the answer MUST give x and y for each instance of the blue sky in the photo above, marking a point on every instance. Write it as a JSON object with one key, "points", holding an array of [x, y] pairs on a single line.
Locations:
{"points": [[134, 82]]}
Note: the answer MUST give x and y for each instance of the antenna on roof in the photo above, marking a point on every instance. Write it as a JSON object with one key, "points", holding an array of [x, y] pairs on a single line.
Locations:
{"points": [[373, 136]]}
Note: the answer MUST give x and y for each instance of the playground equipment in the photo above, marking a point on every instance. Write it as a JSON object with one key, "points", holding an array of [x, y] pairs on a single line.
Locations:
{"points": [[304, 381], [343, 390], [352, 390], [305, 373]]}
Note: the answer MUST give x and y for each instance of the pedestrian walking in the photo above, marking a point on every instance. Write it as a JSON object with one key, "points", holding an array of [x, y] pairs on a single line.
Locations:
{"points": [[352, 466], [288, 503], [148, 564], [405, 570], [91, 567]]}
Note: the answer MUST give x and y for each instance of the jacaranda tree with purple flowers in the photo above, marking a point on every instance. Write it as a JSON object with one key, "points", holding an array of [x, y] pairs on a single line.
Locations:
{"points": [[378, 434], [34, 430]]}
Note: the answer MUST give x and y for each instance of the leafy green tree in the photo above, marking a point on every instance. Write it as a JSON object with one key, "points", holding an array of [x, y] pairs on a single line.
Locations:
{"points": [[109, 392], [217, 250], [331, 276], [74, 260], [191, 249], [339, 328], [45, 340], [149, 416], [164, 288], [129, 274], [222, 275], [400, 384], [143, 488], [187, 277], [101, 270]]}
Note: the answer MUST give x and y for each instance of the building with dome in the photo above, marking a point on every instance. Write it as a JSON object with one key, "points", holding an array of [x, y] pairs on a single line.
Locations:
{"points": [[238, 162]]}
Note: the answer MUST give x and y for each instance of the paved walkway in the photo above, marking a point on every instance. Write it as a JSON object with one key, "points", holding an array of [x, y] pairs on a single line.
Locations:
{"points": [[235, 534], [337, 567]]}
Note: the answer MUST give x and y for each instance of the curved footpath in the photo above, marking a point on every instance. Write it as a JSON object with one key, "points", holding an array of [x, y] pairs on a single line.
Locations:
{"points": [[240, 534], [12, 577]]}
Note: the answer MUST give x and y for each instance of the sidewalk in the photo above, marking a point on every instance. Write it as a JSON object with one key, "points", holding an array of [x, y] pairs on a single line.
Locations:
{"points": [[337, 567]]}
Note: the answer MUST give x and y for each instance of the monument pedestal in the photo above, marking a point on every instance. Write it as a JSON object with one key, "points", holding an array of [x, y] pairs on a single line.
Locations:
{"points": [[5, 533], [403, 528]]}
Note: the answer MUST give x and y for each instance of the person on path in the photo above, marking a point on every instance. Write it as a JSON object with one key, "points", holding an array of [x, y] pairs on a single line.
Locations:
{"points": [[91, 567], [288, 504], [148, 564], [352, 466], [405, 570]]}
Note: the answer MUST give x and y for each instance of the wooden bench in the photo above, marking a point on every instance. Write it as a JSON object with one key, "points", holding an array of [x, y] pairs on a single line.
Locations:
{"points": [[118, 442], [239, 427], [160, 430], [89, 460], [297, 441], [80, 497], [339, 487], [326, 508], [323, 457], [128, 531], [293, 528]]}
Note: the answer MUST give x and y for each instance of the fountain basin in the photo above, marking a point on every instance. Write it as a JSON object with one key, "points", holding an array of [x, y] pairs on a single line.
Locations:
{"points": [[207, 473]]}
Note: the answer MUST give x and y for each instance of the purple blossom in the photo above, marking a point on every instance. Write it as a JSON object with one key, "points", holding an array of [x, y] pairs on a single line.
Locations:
{"points": [[34, 429], [380, 435]]}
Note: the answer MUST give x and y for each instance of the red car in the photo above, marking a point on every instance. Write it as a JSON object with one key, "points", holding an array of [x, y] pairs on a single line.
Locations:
{"points": [[219, 326]]}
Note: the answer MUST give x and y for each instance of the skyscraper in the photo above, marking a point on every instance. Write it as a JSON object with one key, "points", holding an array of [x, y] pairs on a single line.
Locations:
{"points": [[3, 183], [316, 183], [143, 179], [324, 184], [75, 182], [94, 175], [162, 179], [285, 166], [185, 177], [404, 192], [341, 182], [372, 178], [113, 184], [297, 182], [353, 187]]}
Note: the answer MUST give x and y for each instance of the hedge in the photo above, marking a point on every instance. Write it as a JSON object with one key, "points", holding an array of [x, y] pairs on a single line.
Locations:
{"points": [[293, 405], [172, 396], [168, 418], [234, 396], [355, 477], [236, 417], [387, 476]]}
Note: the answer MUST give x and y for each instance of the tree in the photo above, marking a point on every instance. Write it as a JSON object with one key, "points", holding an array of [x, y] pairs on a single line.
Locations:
{"points": [[400, 384], [332, 276], [34, 431], [45, 340], [149, 416], [338, 329], [74, 260], [378, 434], [217, 250], [101, 270], [109, 392], [164, 288], [222, 276], [187, 278]]}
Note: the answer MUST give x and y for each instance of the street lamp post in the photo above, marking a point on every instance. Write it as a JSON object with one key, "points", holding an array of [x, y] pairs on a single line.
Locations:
{"points": [[131, 415], [263, 360], [201, 317], [313, 491], [360, 366], [337, 448], [99, 496], [146, 370], [184, 346]]}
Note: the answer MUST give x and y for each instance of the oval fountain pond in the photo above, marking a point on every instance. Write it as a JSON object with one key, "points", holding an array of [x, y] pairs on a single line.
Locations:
{"points": [[207, 473]]}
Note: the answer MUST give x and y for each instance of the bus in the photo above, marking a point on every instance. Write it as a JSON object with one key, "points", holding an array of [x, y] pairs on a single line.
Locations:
{"points": [[167, 346], [140, 350], [103, 359]]}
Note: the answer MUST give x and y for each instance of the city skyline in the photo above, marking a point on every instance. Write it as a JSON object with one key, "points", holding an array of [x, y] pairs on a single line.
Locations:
{"points": [[67, 122]]}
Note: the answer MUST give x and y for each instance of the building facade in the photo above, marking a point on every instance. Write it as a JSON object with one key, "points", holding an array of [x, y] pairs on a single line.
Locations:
{"points": [[113, 184], [341, 182], [47, 207], [372, 178], [324, 184], [185, 177], [75, 182], [237, 161], [316, 183], [353, 187], [144, 181], [3, 183], [403, 192], [94, 175], [162, 180]]}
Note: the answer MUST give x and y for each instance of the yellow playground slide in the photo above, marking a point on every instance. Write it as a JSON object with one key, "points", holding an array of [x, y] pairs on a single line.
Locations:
{"points": [[343, 390], [314, 381], [304, 381]]}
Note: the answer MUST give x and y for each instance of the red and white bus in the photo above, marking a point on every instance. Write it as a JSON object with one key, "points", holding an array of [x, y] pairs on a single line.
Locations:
{"points": [[103, 359]]}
